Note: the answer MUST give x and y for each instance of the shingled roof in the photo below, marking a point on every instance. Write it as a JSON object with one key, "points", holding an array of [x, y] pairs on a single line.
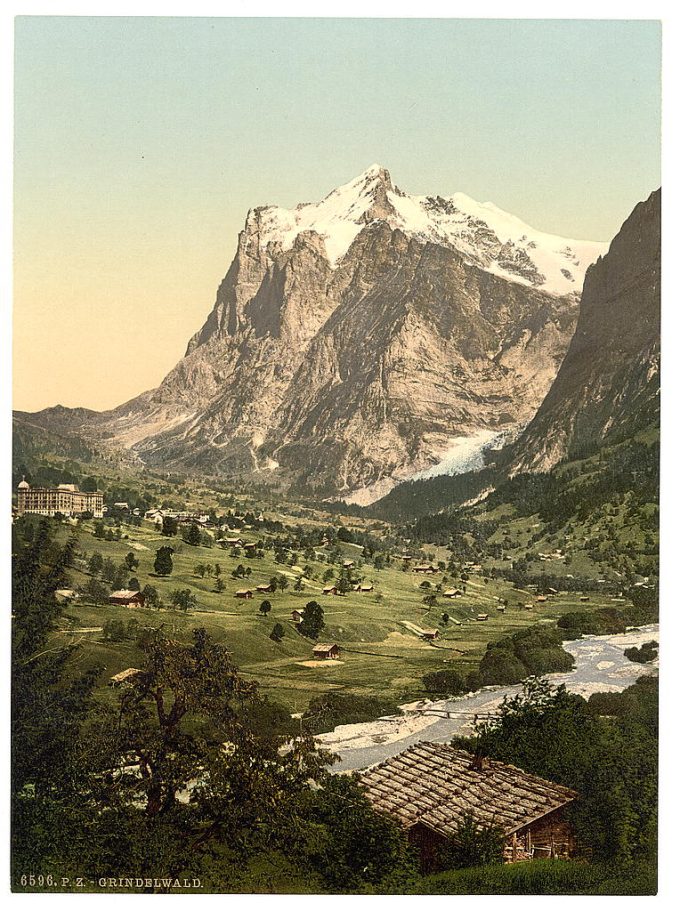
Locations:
{"points": [[438, 786]]}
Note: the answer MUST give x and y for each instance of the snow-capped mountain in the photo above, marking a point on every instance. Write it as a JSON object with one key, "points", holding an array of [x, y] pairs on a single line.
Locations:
{"points": [[484, 234], [362, 339]]}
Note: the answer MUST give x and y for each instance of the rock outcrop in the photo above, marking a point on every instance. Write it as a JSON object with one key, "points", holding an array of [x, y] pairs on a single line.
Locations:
{"points": [[608, 385]]}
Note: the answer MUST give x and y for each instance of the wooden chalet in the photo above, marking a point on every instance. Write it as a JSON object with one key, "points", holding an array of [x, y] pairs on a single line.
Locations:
{"points": [[368, 587], [127, 597], [432, 788], [425, 569], [263, 589], [244, 593], [429, 633], [330, 590], [482, 617], [297, 616], [453, 593], [322, 652], [348, 564]]}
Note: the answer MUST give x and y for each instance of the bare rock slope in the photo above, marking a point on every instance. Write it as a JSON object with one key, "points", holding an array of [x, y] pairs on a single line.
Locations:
{"points": [[353, 340]]}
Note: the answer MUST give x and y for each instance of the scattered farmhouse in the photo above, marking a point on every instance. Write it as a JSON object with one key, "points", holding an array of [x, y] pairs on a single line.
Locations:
{"points": [[429, 633], [432, 788], [348, 564], [127, 598], [297, 615], [64, 498], [453, 593], [330, 590], [482, 617], [264, 588], [425, 569], [244, 593], [322, 652], [367, 587]]}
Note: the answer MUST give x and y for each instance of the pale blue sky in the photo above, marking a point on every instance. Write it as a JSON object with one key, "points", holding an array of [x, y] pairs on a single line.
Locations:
{"points": [[141, 143]]}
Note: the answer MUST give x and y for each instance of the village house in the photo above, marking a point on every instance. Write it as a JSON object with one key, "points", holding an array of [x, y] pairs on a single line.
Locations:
{"points": [[453, 593], [244, 593], [348, 564], [425, 569], [297, 615], [330, 590], [263, 588], [127, 598], [482, 617], [431, 789], [322, 652], [125, 678], [429, 634], [65, 499], [367, 587]]}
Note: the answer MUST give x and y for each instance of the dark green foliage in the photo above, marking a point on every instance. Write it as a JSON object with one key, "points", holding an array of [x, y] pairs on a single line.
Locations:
{"points": [[191, 534], [169, 527], [327, 711], [312, 623], [96, 591], [151, 596], [265, 607], [611, 762], [648, 651], [446, 682], [277, 632], [163, 562], [353, 846], [532, 651], [183, 599], [474, 844], [95, 563]]}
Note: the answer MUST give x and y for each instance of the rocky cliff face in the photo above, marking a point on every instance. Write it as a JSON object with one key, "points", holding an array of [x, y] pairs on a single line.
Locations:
{"points": [[608, 385], [353, 340]]}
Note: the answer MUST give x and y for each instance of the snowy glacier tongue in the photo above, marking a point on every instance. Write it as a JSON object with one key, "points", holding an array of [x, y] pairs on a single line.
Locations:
{"points": [[463, 454], [485, 235]]}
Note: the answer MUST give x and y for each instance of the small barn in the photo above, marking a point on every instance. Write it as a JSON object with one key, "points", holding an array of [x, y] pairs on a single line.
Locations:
{"points": [[368, 587], [127, 598], [322, 651], [482, 617], [426, 570], [330, 590], [431, 789], [429, 633], [263, 589], [297, 615], [348, 564], [453, 593], [244, 593]]}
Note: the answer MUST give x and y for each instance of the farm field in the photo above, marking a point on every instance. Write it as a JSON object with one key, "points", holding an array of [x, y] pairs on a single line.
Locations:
{"points": [[377, 632]]}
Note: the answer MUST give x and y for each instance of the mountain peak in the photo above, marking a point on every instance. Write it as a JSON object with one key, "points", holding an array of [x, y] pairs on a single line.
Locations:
{"points": [[485, 235]]}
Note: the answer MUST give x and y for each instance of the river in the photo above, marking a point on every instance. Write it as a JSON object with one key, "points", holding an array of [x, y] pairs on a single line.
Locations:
{"points": [[600, 666]]}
